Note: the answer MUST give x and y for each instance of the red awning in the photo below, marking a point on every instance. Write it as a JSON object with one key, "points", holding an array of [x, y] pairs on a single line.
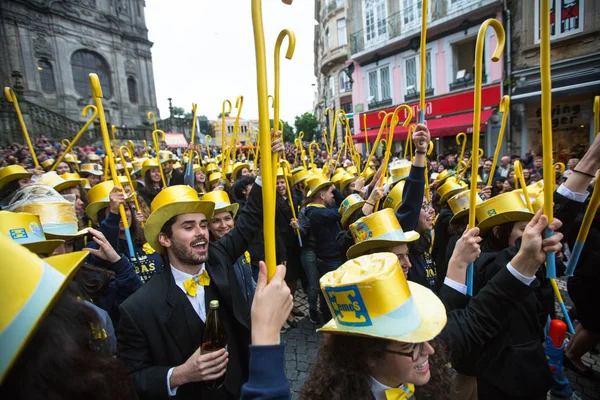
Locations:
{"points": [[175, 140], [445, 126]]}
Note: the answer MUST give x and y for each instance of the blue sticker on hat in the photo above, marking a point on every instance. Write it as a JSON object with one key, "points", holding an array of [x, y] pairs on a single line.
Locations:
{"points": [[18, 233], [348, 306], [36, 229]]}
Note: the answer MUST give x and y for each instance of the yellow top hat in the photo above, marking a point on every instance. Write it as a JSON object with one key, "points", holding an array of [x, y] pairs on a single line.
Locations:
{"points": [[177, 165], [394, 198], [47, 163], [228, 170], [369, 296], [300, 176], [93, 157], [23, 306], [316, 183], [336, 178], [368, 173], [459, 204], [138, 164], [214, 177], [506, 207], [536, 189], [71, 158], [86, 183], [91, 168], [378, 230], [238, 167], [348, 206], [450, 188], [218, 158], [222, 202], [98, 197], [170, 202], [211, 167], [57, 182], [399, 171], [339, 170], [26, 230], [346, 180], [58, 218], [297, 169], [148, 165], [537, 204], [71, 176], [352, 170], [445, 174], [468, 180], [197, 168], [12, 173], [165, 156]]}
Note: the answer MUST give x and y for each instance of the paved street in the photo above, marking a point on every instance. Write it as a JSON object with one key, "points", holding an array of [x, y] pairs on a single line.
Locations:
{"points": [[302, 346]]}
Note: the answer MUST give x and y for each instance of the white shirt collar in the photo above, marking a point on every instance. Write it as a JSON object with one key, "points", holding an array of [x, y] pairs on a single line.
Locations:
{"points": [[181, 276], [378, 389]]}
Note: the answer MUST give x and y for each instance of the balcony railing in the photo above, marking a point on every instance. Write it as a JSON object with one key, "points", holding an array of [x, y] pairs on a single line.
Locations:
{"points": [[414, 95], [381, 103], [465, 82]]}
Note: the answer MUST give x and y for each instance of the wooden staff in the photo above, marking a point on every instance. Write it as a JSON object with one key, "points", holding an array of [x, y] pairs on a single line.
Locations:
{"points": [[423, 62], [156, 140], [267, 166], [81, 132], [11, 98], [497, 26], [504, 109], [97, 94]]}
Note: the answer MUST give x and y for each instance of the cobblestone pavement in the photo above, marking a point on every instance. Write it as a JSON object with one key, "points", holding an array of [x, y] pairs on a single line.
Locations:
{"points": [[302, 345]]}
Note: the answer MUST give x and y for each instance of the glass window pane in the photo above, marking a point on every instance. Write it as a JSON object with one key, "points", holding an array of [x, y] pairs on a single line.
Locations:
{"points": [[385, 83], [46, 76], [84, 62], [569, 15], [373, 87], [411, 73], [341, 31], [132, 89], [428, 78]]}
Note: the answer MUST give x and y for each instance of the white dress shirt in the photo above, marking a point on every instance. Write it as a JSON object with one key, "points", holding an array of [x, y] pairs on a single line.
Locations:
{"points": [[462, 288], [378, 390]]}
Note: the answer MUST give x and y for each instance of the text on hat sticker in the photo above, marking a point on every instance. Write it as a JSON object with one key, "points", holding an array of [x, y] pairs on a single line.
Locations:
{"points": [[348, 306]]}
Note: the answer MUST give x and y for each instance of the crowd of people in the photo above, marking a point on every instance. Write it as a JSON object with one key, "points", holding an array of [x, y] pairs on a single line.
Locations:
{"points": [[115, 278]]}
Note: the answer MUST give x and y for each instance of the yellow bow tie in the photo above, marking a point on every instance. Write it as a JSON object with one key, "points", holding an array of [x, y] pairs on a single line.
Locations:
{"points": [[191, 284], [405, 391]]}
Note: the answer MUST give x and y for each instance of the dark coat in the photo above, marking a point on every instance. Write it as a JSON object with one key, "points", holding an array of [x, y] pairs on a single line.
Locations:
{"points": [[176, 178], [325, 226], [159, 328]]}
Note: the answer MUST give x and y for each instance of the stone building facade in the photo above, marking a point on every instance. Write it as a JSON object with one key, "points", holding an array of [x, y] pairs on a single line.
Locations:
{"points": [[49, 47]]}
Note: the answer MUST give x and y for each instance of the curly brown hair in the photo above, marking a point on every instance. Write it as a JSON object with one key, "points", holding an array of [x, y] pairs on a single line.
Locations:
{"points": [[342, 370]]}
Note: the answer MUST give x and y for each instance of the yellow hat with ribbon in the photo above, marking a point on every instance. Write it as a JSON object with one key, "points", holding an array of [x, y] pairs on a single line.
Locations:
{"points": [[26, 230], [349, 206], [300, 176], [197, 168], [352, 170], [369, 296], [23, 306], [316, 183], [99, 199], [214, 178], [71, 176], [228, 170], [445, 174], [91, 168], [137, 165], [47, 163], [58, 218], [58, 183], [211, 167], [177, 165], [71, 158], [166, 156], [337, 177], [368, 173], [237, 168], [378, 230], [400, 170], [170, 202], [450, 187], [12, 173], [222, 202], [339, 170], [148, 165], [506, 207], [394, 198], [459, 204], [346, 180]]}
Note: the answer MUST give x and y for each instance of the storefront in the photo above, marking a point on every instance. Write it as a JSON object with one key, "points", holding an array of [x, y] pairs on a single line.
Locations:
{"points": [[446, 117]]}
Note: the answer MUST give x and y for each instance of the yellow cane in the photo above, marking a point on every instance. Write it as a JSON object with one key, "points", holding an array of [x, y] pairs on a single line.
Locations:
{"points": [[194, 110], [207, 140], [156, 140], [497, 26], [97, 94], [146, 154], [325, 140], [81, 132], [268, 184], [521, 178], [113, 132], [153, 118], [384, 123], [409, 144], [223, 130], [427, 190], [504, 109], [133, 191], [332, 130], [366, 134], [461, 139], [239, 103], [311, 152], [285, 166], [423, 59], [131, 146], [11, 98]]}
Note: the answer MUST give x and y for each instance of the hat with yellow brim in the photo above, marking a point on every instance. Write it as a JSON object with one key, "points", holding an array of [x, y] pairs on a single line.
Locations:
{"points": [[459, 204], [450, 187], [445, 174], [222, 202], [349, 206], [57, 182], [58, 218], [148, 165], [300, 176], [346, 180], [337, 177], [91, 168], [211, 167], [506, 207], [24, 305], [214, 178], [399, 171], [316, 183], [99, 199], [369, 296], [352, 170], [93, 157], [394, 198], [228, 170], [376, 231], [368, 174], [12, 173], [170, 202], [298, 169], [26, 230], [237, 168], [47, 163]]}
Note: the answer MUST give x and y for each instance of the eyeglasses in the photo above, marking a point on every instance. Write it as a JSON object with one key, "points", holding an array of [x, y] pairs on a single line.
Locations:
{"points": [[414, 354], [426, 206]]}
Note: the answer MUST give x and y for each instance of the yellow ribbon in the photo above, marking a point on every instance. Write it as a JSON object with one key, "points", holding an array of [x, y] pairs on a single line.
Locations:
{"points": [[405, 391], [191, 285], [148, 249]]}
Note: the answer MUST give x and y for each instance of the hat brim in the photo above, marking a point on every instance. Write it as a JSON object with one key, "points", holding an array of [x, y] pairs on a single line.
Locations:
{"points": [[361, 248], [452, 192], [66, 236], [459, 215], [319, 187], [97, 173], [235, 171], [157, 219], [348, 213], [92, 209], [14, 177], [67, 185], [503, 218], [394, 179], [431, 309], [232, 208], [44, 247], [346, 183]]}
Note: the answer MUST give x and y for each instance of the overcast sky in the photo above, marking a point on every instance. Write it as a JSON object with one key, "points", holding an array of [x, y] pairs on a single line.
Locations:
{"points": [[204, 53]]}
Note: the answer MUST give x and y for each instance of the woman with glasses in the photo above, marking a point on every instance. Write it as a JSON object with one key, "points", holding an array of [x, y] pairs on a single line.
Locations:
{"points": [[419, 252]]}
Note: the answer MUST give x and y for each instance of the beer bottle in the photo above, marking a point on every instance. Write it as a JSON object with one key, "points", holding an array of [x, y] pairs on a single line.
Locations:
{"points": [[215, 338]]}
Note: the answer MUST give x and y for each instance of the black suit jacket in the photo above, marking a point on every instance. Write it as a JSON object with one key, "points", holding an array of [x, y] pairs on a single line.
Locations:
{"points": [[176, 178], [159, 328]]}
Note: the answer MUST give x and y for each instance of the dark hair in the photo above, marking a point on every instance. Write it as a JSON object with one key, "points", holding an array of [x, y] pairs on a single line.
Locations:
{"points": [[137, 232], [492, 243], [63, 360], [167, 228], [240, 185], [149, 184], [9, 189], [90, 282], [342, 371]]}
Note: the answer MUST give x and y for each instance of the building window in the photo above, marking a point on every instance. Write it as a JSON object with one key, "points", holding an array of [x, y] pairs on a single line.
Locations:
{"points": [[341, 31], [345, 86], [339, 3], [567, 21], [84, 62], [327, 39], [463, 63], [379, 87], [412, 72], [375, 21], [132, 89], [46, 76], [411, 12], [331, 87]]}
